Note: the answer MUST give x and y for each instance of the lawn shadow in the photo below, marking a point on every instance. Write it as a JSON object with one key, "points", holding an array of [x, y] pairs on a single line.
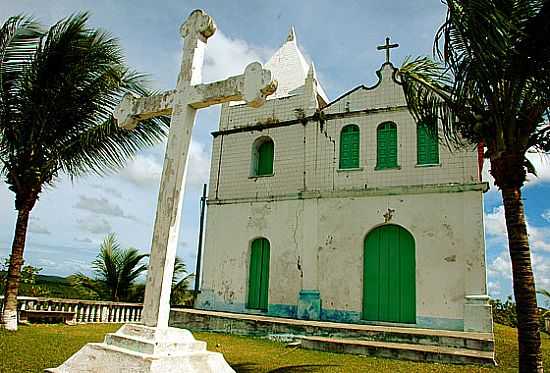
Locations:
{"points": [[301, 368], [251, 367], [245, 367]]}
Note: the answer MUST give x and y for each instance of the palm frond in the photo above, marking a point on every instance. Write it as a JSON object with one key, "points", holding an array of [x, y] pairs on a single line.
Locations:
{"points": [[60, 113]]}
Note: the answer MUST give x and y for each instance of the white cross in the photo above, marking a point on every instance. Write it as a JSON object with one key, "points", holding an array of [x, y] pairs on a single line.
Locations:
{"points": [[182, 103]]}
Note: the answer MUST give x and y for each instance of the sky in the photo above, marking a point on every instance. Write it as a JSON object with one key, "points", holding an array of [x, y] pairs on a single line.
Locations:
{"points": [[72, 217]]}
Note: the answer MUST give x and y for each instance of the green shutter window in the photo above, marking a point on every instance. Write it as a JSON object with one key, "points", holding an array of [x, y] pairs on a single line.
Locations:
{"points": [[258, 281], [427, 145], [386, 146], [265, 158], [349, 147]]}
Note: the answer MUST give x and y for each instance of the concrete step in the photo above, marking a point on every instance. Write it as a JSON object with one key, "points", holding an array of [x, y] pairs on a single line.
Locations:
{"points": [[404, 351], [261, 326], [146, 346]]}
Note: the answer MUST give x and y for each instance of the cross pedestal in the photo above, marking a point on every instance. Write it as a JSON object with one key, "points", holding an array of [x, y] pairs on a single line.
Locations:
{"points": [[153, 346]]}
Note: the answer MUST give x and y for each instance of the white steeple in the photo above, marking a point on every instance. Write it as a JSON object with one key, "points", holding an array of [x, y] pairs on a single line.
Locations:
{"points": [[289, 66]]}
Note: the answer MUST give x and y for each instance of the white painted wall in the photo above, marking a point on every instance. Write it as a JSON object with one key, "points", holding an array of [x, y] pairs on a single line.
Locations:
{"points": [[450, 261]]}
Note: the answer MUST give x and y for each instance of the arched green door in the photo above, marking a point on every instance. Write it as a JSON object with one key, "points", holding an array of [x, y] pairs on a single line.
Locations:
{"points": [[258, 280], [389, 286]]}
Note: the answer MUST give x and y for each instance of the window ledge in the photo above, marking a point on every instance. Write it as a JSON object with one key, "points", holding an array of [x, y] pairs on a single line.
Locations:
{"points": [[378, 168], [428, 165], [349, 169], [260, 176]]}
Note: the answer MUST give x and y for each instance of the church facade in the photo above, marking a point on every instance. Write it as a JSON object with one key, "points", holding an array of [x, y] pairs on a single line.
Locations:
{"points": [[345, 210]]}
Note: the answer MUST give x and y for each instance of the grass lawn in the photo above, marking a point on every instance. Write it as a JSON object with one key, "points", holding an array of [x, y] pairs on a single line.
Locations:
{"points": [[36, 347]]}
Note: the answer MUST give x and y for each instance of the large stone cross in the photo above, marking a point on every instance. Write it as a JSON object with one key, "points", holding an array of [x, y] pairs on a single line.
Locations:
{"points": [[182, 103]]}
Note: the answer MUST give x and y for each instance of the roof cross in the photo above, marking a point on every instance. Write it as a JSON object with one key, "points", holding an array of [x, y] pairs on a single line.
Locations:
{"points": [[387, 47]]}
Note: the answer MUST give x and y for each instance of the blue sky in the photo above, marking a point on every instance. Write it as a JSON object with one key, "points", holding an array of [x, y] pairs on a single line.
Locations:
{"points": [[71, 219]]}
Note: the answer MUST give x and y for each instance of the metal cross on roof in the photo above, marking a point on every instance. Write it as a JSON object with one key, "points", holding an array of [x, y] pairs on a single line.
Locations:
{"points": [[387, 47]]}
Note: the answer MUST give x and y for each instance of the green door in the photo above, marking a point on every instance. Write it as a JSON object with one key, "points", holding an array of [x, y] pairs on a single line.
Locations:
{"points": [[258, 280], [389, 287]]}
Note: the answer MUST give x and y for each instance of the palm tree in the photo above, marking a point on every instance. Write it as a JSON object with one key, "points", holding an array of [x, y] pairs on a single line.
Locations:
{"points": [[58, 89], [489, 84], [115, 269]]}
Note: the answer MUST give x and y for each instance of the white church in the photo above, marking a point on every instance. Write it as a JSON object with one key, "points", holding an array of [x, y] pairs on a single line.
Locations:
{"points": [[345, 210]]}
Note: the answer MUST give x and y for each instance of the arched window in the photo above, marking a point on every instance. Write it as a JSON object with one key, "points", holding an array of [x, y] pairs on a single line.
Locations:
{"points": [[386, 146], [262, 157], [427, 145], [349, 147], [258, 279]]}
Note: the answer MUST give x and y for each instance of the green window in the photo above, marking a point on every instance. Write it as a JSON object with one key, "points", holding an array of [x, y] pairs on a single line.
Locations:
{"points": [[263, 157], [427, 146], [349, 147], [386, 146], [258, 280]]}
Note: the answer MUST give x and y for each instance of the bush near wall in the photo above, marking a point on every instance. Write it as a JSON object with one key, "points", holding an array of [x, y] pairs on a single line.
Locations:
{"points": [[505, 313]]}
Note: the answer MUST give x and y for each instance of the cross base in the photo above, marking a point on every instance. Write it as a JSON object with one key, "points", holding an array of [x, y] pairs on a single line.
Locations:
{"points": [[141, 349]]}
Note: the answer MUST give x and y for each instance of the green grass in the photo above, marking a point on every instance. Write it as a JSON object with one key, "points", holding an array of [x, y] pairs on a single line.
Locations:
{"points": [[36, 347]]}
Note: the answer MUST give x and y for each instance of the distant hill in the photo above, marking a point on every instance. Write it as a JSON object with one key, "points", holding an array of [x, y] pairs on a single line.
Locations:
{"points": [[51, 279]]}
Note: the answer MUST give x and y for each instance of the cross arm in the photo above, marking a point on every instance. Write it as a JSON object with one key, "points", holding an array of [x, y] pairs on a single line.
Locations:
{"points": [[253, 87], [132, 109]]}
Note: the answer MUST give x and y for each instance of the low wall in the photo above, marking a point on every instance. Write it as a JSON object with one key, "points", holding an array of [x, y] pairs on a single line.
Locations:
{"points": [[86, 311]]}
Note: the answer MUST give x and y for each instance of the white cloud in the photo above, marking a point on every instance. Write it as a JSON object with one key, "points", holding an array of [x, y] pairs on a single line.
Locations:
{"points": [[111, 191], [546, 215], [94, 225], [226, 57], [199, 164], [145, 170], [101, 206], [495, 223], [36, 227], [83, 240], [500, 273], [495, 227]]}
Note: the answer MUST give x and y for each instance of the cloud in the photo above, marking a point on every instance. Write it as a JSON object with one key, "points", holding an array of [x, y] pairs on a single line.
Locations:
{"points": [[226, 56], [145, 170], [546, 215], [101, 206], [94, 225], [36, 227], [495, 227], [111, 191], [83, 240], [500, 273], [495, 223]]}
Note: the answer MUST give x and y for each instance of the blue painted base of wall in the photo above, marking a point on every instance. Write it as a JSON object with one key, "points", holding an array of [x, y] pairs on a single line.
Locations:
{"points": [[309, 305], [207, 300]]}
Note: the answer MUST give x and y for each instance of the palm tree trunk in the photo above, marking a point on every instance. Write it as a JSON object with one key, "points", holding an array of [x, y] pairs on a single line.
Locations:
{"points": [[8, 319], [530, 354]]}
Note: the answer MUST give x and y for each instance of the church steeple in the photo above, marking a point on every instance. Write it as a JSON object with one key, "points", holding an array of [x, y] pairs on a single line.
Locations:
{"points": [[291, 34], [290, 68]]}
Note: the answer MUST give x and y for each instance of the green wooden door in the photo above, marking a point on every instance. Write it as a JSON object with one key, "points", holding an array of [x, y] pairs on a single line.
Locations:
{"points": [[389, 286], [258, 280]]}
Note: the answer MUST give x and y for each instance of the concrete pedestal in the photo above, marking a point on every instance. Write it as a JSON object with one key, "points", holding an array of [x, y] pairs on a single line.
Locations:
{"points": [[478, 316], [142, 349]]}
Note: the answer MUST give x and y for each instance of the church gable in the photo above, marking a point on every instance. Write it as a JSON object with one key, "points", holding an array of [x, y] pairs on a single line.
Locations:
{"points": [[386, 93]]}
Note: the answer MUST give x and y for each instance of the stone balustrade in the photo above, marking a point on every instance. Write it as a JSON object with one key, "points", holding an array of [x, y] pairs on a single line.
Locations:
{"points": [[86, 311]]}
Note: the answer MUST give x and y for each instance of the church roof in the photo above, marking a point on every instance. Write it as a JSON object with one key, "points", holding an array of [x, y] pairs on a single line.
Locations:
{"points": [[289, 66]]}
